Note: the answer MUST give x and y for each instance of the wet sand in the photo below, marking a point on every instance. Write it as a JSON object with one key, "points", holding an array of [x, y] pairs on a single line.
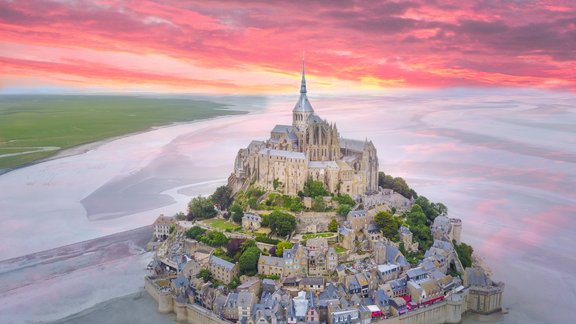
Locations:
{"points": [[502, 160]]}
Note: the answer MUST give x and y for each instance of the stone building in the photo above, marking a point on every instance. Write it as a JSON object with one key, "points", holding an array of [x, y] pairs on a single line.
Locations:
{"points": [[222, 269], [485, 296], [251, 222], [358, 219], [309, 148], [161, 226]]}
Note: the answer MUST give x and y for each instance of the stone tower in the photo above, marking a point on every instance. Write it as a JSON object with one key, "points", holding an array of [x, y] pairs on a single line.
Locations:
{"points": [[303, 109]]}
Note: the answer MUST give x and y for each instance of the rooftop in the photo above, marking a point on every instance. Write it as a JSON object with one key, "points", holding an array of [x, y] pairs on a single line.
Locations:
{"points": [[220, 262]]}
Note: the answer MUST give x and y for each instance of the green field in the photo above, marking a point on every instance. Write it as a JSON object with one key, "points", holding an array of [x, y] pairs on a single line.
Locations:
{"points": [[311, 236], [221, 224], [339, 249], [52, 123]]}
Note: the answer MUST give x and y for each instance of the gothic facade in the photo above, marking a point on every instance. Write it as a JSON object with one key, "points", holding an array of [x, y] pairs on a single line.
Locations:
{"points": [[309, 148]]}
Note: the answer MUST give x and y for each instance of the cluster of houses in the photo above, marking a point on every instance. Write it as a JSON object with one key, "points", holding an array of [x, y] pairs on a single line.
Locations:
{"points": [[313, 287]]}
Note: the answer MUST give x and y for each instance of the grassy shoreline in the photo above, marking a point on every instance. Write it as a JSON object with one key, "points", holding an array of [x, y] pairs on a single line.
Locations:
{"points": [[69, 121]]}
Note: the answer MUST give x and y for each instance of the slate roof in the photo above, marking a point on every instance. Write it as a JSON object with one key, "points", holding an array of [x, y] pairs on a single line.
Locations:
{"points": [[282, 153], [308, 281], [222, 263], [251, 217], [357, 213], [322, 164], [352, 144]]}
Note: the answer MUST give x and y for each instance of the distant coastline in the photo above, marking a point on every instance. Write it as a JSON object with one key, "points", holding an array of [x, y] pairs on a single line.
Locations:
{"points": [[212, 110]]}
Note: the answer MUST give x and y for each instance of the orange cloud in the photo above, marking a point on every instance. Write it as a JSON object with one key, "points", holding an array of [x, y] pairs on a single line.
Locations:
{"points": [[368, 45]]}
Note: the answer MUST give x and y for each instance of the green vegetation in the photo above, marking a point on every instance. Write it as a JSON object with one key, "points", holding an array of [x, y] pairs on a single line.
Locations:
{"points": [[273, 277], [222, 197], [237, 213], [343, 210], [234, 283], [318, 204], [281, 246], [417, 222], [388, 224], [333, 225], [344, 199], [31, 122], [201, 208], [315, 235], [281, 223], [313, 188], [222, 225], [276, 183], [248, 261], [431, 209], [212, 238], [249, 198], [205, 274], [264, 239], [222, 255], [397, 184], [282, 203], [464, 252], [195, 232], [339, 249]]}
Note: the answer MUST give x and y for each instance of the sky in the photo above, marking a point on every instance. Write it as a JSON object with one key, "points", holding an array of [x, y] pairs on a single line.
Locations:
{"points": [[255, 46]]}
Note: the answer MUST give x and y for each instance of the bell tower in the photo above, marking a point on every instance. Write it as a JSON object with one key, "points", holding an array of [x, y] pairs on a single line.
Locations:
{"points": [[303, 109]]}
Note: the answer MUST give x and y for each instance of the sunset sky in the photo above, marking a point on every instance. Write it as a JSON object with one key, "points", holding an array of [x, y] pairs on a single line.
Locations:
{"points": [[255, 46]]}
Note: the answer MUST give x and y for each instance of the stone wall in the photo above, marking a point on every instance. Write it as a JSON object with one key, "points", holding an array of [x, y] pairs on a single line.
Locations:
{"points": [[314, 222], [448, 311], [186, 313]]}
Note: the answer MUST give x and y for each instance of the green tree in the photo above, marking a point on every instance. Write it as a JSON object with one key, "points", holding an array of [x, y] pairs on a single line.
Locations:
{"points": [[343, 210], [397, 184], [318, 204], [281, 223], [281, 246], [237, 213], [464, 252], [388, 224], [222, 196], [172, 229], [344, 199], [234, 283], [201, 208], [276, 183], [214, 238], [248, 244], [205, 274], [248, 261], [416, 216], [333, 226], [313, 188], [195, 232], [421, 234]]}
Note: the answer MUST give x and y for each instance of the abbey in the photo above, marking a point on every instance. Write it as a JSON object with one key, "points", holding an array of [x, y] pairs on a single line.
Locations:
{"points": [[309, 148]]}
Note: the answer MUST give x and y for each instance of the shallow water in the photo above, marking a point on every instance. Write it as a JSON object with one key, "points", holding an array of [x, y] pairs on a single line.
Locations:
{"points": [[504, 161]]}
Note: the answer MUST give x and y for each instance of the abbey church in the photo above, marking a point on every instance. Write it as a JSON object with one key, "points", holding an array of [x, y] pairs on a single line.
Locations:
{"points": [[309, 148]]}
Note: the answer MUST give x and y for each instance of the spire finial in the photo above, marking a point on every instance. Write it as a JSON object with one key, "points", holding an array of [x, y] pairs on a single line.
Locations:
{"points": [[303, 84]]}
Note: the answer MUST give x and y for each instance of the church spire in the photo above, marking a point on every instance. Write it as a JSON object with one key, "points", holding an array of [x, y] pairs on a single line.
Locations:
{"points": [[303, 84]]}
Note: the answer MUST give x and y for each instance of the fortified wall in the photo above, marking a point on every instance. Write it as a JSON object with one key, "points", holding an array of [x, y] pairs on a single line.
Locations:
{"points": [[186, 313]]}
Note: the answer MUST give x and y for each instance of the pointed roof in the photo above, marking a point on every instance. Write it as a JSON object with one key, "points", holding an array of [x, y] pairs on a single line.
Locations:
{"points": [[303, 105]]}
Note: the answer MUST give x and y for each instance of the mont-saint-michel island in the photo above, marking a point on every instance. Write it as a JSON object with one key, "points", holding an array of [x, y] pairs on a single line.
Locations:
{"points": [[309, 229], [248, 161]]}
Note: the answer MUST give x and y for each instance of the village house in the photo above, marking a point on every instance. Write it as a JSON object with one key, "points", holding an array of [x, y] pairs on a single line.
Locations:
{"points": [[222, 269], [251, 222], [358, 219], [161, 227]]}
